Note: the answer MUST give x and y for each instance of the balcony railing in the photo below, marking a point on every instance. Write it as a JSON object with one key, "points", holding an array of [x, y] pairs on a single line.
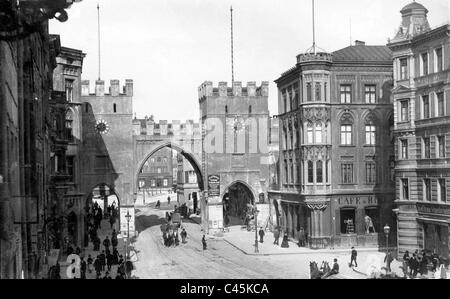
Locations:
{"points": [[432, 79]]}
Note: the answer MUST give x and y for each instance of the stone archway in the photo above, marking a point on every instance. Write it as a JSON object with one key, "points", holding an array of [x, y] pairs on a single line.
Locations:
{"points": [[237, 200], [186, 154]]}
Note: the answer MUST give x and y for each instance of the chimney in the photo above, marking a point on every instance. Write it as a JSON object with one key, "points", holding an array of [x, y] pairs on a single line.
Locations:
{"points": [[100, 88], [85, 88], [114, 88], [359, 43], [129, 87]]}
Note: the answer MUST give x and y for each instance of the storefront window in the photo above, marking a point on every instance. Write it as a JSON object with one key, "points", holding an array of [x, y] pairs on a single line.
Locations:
{"points": [[348, 221]]}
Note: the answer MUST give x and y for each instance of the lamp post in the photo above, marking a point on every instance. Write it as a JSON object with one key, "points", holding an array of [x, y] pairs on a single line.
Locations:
{"points": [[256, 229], [128, 216], [387, 229]]}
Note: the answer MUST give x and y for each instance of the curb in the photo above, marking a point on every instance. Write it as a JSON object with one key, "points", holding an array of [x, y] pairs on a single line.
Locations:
{"points": [[311, 251]]}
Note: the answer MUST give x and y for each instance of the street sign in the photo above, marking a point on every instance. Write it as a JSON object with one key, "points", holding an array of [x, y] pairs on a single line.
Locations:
{"points": [[213, 185], [124, 222]]}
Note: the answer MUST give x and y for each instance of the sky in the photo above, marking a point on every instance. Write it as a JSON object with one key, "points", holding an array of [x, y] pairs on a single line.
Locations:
{"points": [[170, 47]]}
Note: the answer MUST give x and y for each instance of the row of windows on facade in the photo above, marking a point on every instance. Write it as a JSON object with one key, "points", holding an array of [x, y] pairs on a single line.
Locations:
{"points": [[155, 183], [291, 98], [424, 64], [148, 169], [315, 134], [439, 185], [249, 109], [318, 173], [428, 108], [440, 147]]}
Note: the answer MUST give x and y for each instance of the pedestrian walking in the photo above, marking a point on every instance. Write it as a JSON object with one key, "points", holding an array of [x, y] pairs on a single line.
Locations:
{"points": [[109, 261], [176, 238], [158, 204], [114, 241], [285, 243], [183, 236], [276, 236], [97, 243], [103, 260], [83, 268], [106, 243], [388, 260], [354, 254], [301, 237], [98, 266], [89, 263], [204, 242], [165, 238], [112, 220], [168, 200], [115, 256], [261, 235]]}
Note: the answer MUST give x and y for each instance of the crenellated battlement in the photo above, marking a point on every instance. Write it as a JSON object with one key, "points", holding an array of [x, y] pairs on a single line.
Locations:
{"points": [[114, 88], [236, 90], [149, 127]]}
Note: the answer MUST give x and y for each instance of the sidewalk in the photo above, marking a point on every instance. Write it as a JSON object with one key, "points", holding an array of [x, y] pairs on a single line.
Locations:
{"points": [[245, 242], [102, 233]]}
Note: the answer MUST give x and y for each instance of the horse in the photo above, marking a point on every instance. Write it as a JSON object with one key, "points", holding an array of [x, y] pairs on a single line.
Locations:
{"points": [[314, 271]]}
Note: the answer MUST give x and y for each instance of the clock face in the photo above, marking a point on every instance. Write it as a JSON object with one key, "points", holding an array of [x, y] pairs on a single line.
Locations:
{"points": [[102, 127]]}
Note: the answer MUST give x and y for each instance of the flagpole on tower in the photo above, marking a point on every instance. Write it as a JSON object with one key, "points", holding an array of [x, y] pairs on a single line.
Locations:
{"points": [[99, 52], [232, 49], [314, 28]]}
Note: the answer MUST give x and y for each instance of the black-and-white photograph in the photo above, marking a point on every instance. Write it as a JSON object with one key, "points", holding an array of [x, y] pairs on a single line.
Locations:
{"points": [[224, 140]]}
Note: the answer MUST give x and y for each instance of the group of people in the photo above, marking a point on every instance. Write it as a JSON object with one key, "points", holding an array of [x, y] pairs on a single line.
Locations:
{"points": [[418, 262], [171, 237], [277, 232]]}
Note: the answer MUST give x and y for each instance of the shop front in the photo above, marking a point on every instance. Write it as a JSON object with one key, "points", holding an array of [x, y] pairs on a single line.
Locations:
{"points": [[359, 221], [434, 220]]}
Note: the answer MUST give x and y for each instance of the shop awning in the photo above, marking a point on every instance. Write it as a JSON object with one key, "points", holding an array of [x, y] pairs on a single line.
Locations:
{"points": [[434, 221]]}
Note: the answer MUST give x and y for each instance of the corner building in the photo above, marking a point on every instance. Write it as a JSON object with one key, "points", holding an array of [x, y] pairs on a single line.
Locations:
{"points": [[335, 147], [421, 59]]}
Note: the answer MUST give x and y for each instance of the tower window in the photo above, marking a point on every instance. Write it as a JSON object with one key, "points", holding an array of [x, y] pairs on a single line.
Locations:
{"points": [[115, 108], [226, 109], [250, 109]]}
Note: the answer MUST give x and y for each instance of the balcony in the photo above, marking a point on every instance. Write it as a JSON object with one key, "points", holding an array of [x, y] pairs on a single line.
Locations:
{"points": [[433, 79], [314, 57]]}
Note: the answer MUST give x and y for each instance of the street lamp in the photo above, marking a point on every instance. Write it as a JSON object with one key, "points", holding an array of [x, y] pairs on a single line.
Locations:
{"points": [[128, 217], [387, 229], [256, 229]]}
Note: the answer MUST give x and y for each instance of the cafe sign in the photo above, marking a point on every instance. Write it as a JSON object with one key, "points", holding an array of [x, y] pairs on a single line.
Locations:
{"points": [[357, 201], [433, 209]]}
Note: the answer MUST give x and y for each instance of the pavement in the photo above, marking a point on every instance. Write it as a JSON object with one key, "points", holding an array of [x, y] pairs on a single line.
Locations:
{"points": [[103, 232]]}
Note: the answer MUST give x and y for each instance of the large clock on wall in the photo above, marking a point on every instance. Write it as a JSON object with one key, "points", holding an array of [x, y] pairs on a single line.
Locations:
{"points": [[102, 127]]}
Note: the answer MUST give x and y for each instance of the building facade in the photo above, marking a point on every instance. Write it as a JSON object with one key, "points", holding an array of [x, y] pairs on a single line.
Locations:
{"points": [[335, 148], [422, 131], [235, 164]]}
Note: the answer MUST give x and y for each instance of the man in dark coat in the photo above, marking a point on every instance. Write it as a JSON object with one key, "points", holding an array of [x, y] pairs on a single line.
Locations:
{"points": [[261, 235], [102, 257], [301, 237], [83, 268], [183, 236], [114, 241], [89, 263], [97, 243], [285, 243], [276, 236], [106, 243], [98, 266], [353, 257], [204, 242]]}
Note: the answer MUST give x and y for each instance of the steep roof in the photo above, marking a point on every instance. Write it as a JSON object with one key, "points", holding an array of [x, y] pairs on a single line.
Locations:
{"points": [[362, 53]]}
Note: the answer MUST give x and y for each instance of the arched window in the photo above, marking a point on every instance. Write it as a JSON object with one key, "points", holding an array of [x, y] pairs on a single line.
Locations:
{"points": [[370, 130], [309, 133], [310, 172], [346, 129], [319, 133], [319, 172]]}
